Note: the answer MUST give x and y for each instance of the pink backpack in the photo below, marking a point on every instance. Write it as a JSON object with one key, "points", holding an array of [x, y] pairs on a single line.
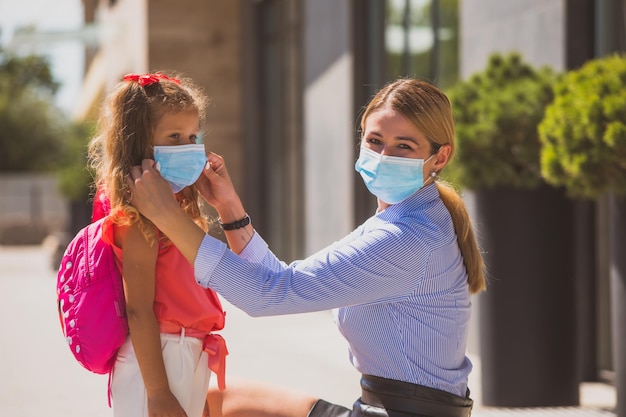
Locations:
{"points": [[91, 301]]}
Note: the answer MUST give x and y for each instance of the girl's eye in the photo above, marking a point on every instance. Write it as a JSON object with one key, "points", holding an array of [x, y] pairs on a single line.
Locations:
{"points": [[193, 138], [175, 136]]}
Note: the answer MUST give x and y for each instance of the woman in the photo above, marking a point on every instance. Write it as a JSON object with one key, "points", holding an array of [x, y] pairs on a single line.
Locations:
{"points": [[401, 281]]}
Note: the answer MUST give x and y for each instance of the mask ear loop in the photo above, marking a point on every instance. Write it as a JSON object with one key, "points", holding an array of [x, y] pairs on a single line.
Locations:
{"points": [[433, 174]]}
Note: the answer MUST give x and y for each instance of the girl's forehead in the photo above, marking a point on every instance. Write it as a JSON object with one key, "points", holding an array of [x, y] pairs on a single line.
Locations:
{"points": [[184, 117]]}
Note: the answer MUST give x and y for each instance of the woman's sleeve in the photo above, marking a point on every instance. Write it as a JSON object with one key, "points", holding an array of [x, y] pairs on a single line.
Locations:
{"points": [[257, 251], [386, 264]]}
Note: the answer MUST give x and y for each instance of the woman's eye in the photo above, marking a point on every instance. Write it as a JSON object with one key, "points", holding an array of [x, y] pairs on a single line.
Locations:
{"points": [[373, 141]]}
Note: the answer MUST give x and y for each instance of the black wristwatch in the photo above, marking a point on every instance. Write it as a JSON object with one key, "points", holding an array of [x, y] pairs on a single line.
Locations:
{"points": [[235, 225]]}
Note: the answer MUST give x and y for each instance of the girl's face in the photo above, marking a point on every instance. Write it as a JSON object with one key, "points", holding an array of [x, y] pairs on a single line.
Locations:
{"points": [[390, 133], [179, 128]]}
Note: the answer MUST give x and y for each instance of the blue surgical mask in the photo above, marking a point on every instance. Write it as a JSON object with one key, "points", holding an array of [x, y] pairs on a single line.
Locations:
{"points": [[390, 178], [180, 165]]}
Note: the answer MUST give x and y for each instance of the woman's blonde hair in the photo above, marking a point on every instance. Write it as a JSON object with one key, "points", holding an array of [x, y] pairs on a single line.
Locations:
{"points": [[126, 126], [429, 109]]}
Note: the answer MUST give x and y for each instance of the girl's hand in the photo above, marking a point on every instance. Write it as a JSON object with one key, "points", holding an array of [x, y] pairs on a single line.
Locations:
{"points": [[164, 404]]}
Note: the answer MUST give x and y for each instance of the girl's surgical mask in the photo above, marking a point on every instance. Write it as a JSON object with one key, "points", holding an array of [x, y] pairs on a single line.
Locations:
{"points": [[180, 165], [390, 178]]}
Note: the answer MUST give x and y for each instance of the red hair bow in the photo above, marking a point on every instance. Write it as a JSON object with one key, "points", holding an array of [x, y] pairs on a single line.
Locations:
{"points": [[147, 79]]}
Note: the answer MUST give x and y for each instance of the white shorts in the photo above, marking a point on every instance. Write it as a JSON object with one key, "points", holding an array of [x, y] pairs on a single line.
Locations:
{"points": [[188, 374]]}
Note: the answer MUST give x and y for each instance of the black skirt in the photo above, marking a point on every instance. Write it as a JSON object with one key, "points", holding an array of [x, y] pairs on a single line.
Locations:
{"points": [[381, 397]]}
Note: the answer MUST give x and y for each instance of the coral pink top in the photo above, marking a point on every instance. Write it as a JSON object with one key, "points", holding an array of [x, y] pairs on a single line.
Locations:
{"points": [[101, 206], [180, 303]]}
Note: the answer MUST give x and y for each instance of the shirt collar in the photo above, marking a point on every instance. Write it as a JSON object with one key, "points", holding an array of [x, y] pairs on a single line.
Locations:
{"points": [[421, 197]]}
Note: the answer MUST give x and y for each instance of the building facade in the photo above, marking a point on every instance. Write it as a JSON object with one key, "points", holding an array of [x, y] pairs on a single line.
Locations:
{"points": [[288, 79]]}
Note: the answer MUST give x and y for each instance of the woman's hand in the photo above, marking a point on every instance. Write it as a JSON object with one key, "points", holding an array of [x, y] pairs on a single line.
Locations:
{"points": [[218, 190], [149, 192], [215, 185]]}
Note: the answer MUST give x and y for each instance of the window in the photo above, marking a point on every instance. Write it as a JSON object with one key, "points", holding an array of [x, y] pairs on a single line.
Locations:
{"points": [[272, 124], [421, 40]]}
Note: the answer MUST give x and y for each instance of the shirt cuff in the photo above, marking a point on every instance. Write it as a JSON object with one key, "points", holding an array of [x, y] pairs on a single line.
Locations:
{"points": [[209, 254], [255, 250]]}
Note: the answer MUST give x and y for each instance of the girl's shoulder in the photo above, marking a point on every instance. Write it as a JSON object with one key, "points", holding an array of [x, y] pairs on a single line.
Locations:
{"points": [[122, 233]]}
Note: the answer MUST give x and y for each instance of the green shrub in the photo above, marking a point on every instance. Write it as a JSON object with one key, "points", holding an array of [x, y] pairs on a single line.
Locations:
{"points": [[75, 177], [584, 130], [497, 112]]}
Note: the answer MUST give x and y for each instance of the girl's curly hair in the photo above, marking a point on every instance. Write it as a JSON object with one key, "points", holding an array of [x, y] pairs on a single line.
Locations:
{"points": [[124, 138]]}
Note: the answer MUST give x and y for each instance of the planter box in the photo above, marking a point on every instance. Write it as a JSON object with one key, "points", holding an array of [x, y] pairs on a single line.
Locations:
{"points": [[527, 315]]}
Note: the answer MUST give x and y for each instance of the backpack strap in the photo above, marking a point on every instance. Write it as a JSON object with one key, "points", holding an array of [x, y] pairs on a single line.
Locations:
{"points": [[109, 387]]}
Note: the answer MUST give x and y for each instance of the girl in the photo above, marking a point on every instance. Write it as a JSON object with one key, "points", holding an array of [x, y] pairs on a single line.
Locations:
{"points": [[163, 367]]}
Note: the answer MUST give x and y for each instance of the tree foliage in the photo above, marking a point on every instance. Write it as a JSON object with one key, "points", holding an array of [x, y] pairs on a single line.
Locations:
{"points": [[584, 130], [36, 136], [31, 127], [75, 177], [497, 112]]}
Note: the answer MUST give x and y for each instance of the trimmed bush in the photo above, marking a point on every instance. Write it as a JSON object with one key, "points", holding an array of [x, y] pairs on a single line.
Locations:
{"points": [[497, 112], [584, 130]]}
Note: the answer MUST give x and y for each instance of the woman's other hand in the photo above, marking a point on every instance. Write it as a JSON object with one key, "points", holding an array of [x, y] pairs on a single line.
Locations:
{"points": [[215, 185]]}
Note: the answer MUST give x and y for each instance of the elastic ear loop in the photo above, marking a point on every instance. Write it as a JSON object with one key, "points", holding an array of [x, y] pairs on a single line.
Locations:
{"points": [[433, 174]]}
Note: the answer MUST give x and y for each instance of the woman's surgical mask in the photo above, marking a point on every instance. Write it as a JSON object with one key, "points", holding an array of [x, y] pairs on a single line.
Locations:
{"points": [[180, 165], [390, 178]]}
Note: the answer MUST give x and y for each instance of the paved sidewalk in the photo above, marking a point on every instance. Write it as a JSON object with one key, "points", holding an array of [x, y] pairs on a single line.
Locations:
{"points": [[305, 352]]}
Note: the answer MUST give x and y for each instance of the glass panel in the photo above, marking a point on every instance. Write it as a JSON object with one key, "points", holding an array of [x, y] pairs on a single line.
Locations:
{"points": [[421, 40], [448, 64], [278, 114]]}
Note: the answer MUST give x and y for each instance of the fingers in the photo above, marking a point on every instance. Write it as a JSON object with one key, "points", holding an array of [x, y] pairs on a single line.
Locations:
{"points": [[213, 157], [148, 164], [135, 173], [209, 170], [216, 161]]}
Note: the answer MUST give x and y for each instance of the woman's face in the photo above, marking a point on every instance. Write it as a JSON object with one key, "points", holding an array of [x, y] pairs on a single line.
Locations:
{"points": [[390, 133]]}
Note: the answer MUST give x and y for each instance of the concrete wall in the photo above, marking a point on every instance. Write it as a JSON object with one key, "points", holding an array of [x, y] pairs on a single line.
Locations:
{"points": [[535, 28], [197, 38], [202, 39], [328, 124], [31, 206], [122, 49]]}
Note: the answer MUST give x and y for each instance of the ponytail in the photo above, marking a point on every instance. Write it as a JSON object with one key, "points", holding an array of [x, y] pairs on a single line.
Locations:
{"points": [[472, 257]]}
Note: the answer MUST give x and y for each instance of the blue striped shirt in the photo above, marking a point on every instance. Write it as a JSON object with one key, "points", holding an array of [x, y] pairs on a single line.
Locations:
{"points": [[398, 283]]}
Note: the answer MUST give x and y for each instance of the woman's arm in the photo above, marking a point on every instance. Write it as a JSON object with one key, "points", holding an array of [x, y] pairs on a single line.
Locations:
{"points": [[387, 264], [153, 197], [139, 266]]}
